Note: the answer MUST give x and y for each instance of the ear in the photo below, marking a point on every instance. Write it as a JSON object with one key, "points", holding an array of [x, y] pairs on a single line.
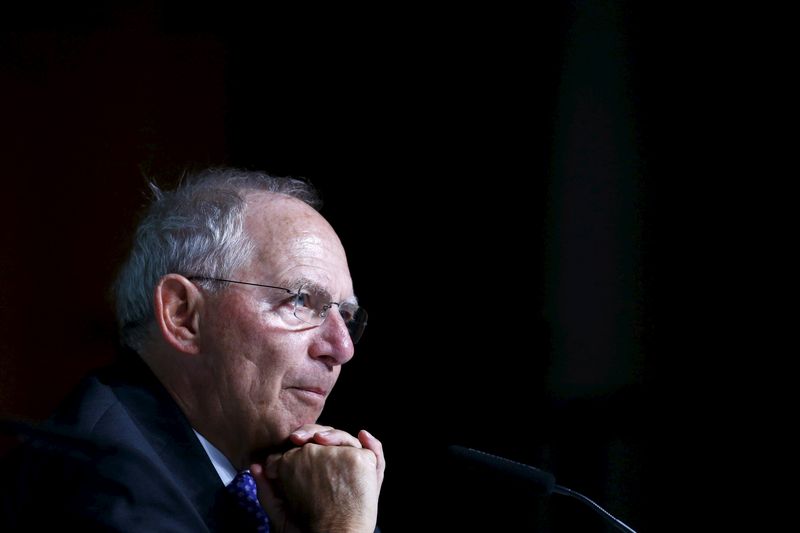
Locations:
{"points": [[177, 310]]}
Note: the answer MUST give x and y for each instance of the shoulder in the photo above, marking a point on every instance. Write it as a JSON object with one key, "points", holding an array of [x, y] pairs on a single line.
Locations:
{"points": [[123, 404], [105, 461], [87, 484]]}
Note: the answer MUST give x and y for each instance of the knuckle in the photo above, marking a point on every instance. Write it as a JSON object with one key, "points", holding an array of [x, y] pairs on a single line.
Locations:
{"points": [[366, 458]]}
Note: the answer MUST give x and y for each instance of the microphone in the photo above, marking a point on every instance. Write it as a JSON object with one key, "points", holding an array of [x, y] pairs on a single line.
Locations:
{"points": [[541, 482]]}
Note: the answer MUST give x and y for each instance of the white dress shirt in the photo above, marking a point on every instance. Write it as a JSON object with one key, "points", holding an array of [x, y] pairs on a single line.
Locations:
{"points": [[222, 465]]}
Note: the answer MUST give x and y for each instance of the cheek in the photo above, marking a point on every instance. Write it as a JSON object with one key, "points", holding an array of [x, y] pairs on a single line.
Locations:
{"points": [[260, 358], [238, 355], [239, 330], [255, 354]]}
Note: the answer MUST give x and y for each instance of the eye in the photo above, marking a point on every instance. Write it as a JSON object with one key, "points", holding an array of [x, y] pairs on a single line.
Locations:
{"points": [[304, 299], [348, 311]]}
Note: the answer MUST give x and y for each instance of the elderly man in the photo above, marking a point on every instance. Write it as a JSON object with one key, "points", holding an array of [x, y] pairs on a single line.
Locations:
{"points": [[237, 309]]}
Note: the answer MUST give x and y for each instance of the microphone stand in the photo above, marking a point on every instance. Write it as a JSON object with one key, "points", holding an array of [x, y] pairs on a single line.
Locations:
{"points": [[611, 519]]}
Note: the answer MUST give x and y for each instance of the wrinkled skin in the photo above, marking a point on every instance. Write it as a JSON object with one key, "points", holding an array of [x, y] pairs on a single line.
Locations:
{"points": [[250, 385]]}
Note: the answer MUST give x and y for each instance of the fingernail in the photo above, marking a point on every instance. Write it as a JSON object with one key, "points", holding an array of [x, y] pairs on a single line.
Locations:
{"points": [[302, 433], [368, 434]]}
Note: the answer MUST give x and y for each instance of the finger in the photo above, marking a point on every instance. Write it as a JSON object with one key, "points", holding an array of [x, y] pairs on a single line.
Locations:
{"points": [[306, 432], [371, 443], [271, 466], [336, 437], [268, 496]]}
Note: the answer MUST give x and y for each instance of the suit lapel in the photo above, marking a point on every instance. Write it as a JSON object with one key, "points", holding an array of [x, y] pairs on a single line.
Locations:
{"points": [[170, 435]]}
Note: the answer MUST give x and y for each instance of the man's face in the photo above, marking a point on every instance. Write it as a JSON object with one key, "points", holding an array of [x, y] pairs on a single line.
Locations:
{"points": [[270, 379]]}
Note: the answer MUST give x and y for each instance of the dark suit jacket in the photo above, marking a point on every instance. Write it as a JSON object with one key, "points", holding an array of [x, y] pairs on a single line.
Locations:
{"points": [[119, 455]]}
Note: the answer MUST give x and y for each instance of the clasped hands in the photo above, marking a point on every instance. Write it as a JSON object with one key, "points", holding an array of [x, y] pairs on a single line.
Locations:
{"points": [[329, 483]]}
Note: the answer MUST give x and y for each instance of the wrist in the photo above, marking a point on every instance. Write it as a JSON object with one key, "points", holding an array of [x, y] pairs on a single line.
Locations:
{"points": [[347, 525]]}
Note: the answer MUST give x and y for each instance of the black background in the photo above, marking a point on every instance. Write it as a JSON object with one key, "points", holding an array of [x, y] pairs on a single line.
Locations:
{"points": [[523, 195]]}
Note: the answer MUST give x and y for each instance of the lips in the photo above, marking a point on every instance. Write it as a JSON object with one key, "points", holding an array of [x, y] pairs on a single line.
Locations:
{"points": [[312, 389], [313, 394]]}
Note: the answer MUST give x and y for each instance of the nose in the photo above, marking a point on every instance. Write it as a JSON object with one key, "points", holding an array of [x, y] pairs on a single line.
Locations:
{"points": [[332, 341]]}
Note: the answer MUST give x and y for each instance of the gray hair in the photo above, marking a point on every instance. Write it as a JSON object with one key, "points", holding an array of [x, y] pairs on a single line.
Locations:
{"points": [[197, 229]]}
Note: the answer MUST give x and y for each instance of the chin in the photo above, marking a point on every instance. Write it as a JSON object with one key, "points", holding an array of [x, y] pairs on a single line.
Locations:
{"points": [[311, 418]]}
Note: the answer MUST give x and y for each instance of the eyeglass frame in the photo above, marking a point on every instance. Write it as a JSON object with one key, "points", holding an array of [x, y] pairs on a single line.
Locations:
{"points": [[296, 294]]}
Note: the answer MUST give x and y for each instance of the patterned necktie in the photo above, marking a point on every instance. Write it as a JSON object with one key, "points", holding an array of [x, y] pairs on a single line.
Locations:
{"points": [[243, 488]]}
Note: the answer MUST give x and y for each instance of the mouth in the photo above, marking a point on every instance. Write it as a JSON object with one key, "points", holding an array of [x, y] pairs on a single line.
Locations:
{"points": [[310, 394], [315, 390]]}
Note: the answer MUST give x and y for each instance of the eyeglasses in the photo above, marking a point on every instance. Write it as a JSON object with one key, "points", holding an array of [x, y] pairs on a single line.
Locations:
{"points": [[311, 304]]}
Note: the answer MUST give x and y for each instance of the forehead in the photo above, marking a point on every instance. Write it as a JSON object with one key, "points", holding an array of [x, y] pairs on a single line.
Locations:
{"points": [[292, 242]]}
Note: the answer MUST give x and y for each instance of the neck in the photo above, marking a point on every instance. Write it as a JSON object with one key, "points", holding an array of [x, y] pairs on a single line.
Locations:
{"points": [[186, 381]]}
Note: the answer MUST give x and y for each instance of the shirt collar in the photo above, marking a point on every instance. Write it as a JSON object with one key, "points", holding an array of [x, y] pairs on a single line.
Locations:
{"points": [[222, 465]]}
